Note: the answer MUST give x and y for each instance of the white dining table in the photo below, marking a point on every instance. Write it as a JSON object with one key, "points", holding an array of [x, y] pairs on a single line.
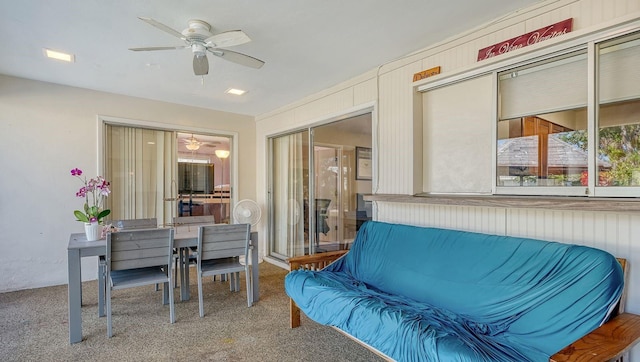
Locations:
{"points": [[184, 237]]}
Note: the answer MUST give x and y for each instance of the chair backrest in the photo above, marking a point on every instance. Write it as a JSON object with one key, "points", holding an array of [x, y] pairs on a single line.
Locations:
{"points": [[223, 241], [186, 220], [139, 248], [132, 224]]}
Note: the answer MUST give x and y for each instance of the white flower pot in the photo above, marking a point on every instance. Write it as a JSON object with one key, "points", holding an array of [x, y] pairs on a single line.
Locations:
{"points": [[92, 231]]}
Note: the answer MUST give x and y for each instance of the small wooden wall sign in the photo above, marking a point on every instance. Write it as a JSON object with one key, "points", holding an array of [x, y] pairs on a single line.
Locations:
{"points": [[534, 37], [426, 73]]}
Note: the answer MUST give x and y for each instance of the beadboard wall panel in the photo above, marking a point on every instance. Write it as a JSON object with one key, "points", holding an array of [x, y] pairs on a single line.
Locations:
{"points": [[329, 104], [469, 218], [396, 132], [365, 92], [460, 53]]}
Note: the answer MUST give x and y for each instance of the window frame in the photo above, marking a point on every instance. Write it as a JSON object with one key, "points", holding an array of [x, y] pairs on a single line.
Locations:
{"points": [[593, 107], [543, 190], [572, 42]]}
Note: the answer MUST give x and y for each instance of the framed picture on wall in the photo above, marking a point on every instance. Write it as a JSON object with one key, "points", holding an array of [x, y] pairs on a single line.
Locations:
{"points": [[363, 163]]}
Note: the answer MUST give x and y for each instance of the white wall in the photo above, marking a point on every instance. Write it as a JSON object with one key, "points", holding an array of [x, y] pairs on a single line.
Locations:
{"points": [[393, 92], [45, 131]]}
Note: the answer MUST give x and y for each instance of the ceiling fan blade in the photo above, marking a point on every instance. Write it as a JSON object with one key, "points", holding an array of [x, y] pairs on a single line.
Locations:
{"points": [[157, 48], [239, 58], [162, 27], [200, 64], [227, 39]]}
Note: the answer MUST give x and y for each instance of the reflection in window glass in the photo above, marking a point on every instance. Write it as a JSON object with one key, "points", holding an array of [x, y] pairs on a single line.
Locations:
{"points": [[545, 155], [542, 131], [619, 112]]}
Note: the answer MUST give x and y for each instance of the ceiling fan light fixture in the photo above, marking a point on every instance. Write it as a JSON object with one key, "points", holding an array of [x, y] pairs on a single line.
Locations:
{"points": [[198, 49], [192, 146]]}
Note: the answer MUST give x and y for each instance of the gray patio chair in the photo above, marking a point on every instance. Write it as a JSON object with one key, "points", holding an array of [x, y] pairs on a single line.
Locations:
{"points": [[219, 250], [195, 222], [124, 224], [136, 258]]}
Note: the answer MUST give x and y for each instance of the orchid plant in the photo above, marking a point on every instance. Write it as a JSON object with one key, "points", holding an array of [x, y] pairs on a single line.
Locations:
{"points": [[94, 192]]}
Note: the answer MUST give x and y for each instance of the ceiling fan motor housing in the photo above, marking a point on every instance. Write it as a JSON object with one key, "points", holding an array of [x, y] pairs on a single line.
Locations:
{"points": [[198, 30]]}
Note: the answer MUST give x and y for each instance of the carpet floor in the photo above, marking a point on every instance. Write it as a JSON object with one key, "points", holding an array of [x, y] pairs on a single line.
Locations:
{"points": [[33, 326]]}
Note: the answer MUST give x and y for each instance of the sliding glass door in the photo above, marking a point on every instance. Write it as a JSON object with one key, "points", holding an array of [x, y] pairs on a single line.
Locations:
{"points": [[289, 180], [166, 174], [316, 187]]}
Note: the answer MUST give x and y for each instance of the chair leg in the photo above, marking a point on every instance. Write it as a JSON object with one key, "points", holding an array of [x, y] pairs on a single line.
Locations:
{"points": [[169, 289], [166, 293], [200, 297], [249, 291], [237, 286], [231, 281]]}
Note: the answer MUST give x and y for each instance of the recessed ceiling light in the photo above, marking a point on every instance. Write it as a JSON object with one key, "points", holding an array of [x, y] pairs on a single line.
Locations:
{"points": [[235, 92], [59, 55]]}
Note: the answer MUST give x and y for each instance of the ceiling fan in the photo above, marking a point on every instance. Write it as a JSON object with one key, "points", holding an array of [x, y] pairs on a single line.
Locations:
{"points": [[199, 38], [192, 144]]}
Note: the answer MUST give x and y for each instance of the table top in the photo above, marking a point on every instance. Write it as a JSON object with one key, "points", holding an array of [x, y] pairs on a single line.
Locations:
{"points": [[183, 236]]}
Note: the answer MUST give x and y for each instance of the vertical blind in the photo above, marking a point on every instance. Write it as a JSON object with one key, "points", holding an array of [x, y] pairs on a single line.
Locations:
{"points": [[288, 158], [140, 164]]}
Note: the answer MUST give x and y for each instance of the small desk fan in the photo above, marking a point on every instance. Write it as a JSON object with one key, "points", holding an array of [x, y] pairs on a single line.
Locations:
{"points": [[247, 212]]}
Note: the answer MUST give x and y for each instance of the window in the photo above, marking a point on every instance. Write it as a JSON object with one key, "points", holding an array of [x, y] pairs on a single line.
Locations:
{"points": [[542, 122], [552, 138], [618, 113]]}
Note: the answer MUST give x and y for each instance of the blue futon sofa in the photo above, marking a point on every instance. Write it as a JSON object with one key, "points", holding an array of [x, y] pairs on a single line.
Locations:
{"points": [[428, 294]]}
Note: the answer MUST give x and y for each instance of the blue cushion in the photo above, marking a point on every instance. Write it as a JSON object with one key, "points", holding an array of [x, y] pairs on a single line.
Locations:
{"points": [[503, 297]]}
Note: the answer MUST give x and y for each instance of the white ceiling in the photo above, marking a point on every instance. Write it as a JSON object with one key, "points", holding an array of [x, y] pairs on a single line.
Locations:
{"points": [[307, 45]]}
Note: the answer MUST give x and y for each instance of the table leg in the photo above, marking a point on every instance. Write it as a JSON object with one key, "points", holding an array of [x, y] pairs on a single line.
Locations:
{"points": [[75, 296], [184, 286], [101, 285], [255, 283]]}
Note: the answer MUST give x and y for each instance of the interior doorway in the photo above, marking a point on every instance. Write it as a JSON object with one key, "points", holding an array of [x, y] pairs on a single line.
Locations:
{"points": [[203, 179]]}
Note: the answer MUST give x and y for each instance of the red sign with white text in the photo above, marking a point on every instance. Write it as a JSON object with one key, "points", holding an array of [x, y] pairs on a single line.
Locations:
{"points": [[534, 37]]}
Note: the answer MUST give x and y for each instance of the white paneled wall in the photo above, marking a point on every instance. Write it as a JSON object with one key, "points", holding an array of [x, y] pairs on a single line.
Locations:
{"points": [[479, 219], [396, 131]]}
